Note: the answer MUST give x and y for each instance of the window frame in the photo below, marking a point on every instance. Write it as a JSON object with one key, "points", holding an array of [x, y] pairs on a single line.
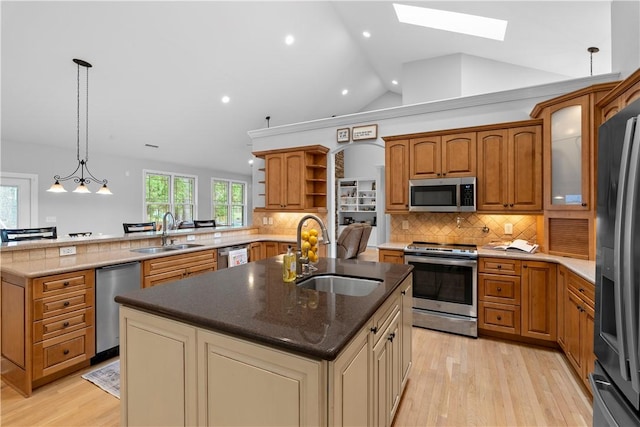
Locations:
{"points": [[172, 201], [230, 205]]}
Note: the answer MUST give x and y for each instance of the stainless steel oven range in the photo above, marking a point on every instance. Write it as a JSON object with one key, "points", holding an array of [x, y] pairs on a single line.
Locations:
{"points": [[445, 286]]}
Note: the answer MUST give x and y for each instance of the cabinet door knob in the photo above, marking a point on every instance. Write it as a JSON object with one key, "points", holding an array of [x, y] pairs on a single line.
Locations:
{"points": [[403, 292], [66, 351], [581, 290], [499, 289], [584, 204], [374, 329], [499, 317], [499, 266], [510, 205], [65, 284], [65, 325], [504, 205], [524, 266], [66, 304]]}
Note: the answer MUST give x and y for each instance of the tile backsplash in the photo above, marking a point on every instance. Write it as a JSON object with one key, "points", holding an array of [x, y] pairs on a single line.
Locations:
{"points": [[283, 223], [443, 227]]}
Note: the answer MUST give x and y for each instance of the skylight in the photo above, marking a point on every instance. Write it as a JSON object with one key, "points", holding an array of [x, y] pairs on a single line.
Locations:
{"points": [[463, 23]]}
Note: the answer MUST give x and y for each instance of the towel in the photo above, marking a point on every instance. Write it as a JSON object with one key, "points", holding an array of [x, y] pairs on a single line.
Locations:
{"points": [[237, 257]]}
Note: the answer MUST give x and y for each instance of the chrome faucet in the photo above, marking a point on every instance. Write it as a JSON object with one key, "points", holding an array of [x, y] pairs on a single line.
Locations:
{"points": [[164, 226], [300, 260]]}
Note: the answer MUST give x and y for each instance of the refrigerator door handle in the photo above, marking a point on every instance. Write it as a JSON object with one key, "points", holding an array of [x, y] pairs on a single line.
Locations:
{"points": [[630, 297], [619, 230], [598, 383]]}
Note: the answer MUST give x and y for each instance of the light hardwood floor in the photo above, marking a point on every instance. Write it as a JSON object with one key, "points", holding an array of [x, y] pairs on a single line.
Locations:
{"points": [[455, 381]]}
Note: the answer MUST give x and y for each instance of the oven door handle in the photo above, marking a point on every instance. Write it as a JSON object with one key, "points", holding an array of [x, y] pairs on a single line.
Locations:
{"points": [[440, 261]]}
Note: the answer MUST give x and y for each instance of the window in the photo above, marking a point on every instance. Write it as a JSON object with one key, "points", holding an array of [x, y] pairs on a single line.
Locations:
{"points": [[168, 192], [18, 200], [229, 201]]}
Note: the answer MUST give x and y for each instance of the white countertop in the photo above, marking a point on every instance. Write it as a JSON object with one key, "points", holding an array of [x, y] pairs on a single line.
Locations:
{"points": [[583, 268]]}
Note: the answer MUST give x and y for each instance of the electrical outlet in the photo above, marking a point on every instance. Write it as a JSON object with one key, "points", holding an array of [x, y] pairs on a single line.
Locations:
{"points": [[68, 250], [508, 228], [217, 240], [191, 237], [405, 225], [270, 220], [265, 220], [217, 234]]}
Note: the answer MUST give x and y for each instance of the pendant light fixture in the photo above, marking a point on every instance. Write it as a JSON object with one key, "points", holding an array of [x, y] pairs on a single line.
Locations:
{"points": [[86, 177]]}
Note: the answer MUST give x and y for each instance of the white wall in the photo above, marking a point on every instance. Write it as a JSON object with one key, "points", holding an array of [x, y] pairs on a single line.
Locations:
{"points": [[93, 212], [625, 37]]}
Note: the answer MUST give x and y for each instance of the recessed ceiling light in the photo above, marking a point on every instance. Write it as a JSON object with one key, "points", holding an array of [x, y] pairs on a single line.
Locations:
{"points": [[366, 34], [463, 23], [289, 40], [225, 99], [395, 82], [345, 91]]}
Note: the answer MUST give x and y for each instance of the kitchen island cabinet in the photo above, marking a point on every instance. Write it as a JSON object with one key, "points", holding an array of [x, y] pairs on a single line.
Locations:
{"points": [[241, 337]]}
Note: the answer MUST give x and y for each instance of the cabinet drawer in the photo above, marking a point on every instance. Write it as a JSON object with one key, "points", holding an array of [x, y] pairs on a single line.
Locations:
{"points": [[499, 266], [60, 304], [499, 317], [585, 289], [499, 288], [54, 326], [199, 269], [383, 317], [62, 283], [174, 262], [166, 277], [61, 352]]}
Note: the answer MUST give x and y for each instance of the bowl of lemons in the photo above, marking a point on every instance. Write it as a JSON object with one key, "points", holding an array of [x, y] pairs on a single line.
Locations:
{"points": [[309, 244]]}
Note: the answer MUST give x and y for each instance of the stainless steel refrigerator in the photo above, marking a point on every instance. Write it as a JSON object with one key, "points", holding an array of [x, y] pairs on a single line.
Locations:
{"points": [[615, 381]]}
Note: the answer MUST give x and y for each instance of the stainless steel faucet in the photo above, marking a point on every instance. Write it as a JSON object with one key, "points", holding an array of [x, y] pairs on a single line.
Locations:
{"points": [[325, 240], [164, 226]]}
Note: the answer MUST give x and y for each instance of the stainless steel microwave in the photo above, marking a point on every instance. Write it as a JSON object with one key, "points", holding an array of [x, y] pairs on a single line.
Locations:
{"points": [[442, 195]]}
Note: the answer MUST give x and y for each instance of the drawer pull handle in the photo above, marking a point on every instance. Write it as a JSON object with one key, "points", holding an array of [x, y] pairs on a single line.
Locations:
{"points": [[66, 304], [499, 289], [581, 290], [65, 284], [499, 317], [403, 292], [66, 351], [374, 329], [499, 266], [391, 336], [524, 266], [65, 325]]}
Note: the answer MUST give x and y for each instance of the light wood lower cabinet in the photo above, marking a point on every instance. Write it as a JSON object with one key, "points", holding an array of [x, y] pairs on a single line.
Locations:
{"points": [[517, 297], [176, 267], [579, 303], [391, 255], [173, 373], [47, 327]]}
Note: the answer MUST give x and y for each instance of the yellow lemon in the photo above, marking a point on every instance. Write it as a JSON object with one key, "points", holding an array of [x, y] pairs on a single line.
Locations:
{"points": [[313, 257], [304, 235], [305, 246], [313, 239], [313, 232]]}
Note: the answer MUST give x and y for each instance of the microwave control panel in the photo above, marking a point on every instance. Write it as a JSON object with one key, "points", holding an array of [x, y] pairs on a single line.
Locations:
{"points": [[467, 195]]}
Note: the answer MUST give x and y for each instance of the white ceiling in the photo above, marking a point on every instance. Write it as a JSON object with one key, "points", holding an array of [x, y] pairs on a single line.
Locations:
{"points": [[161, 68]]}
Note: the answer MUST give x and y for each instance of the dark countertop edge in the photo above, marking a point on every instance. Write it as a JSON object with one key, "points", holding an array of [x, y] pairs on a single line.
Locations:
{"points": [[220, 327]]}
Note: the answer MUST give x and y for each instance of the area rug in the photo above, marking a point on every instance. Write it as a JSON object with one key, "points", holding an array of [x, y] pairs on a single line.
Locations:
{"points": [[107, 378]]}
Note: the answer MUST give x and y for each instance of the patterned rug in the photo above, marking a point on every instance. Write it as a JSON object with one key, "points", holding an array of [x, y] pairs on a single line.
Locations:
{"points": [[107, 378]]}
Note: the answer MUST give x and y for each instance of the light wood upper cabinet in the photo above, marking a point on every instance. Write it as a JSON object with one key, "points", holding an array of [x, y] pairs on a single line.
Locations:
{"points": [[510, 169], [284, 181], [440, 156], [397, 176], [295, 179], [620, 96]]}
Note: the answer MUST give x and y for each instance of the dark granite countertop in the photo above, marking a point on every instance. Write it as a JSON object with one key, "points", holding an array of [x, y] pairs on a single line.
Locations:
{"points": [[251, 301]]}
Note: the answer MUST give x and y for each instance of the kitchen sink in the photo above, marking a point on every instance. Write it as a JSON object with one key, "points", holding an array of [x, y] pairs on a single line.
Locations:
{"points": [[154, 249], [342, 285], [160, 249]]}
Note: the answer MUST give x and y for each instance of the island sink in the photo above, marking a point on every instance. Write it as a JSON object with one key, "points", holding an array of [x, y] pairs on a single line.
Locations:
{"points": [[343, 285], [159, 249]]}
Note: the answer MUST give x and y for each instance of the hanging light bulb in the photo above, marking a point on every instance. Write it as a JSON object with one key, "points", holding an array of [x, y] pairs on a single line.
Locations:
{"points": [[86, 177]]}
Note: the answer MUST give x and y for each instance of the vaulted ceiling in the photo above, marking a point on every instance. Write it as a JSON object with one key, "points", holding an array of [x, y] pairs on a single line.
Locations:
{"points": [[160, 68]]}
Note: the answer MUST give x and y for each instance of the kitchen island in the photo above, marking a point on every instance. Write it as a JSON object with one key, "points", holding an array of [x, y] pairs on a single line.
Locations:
{"points": [[241, 347]]}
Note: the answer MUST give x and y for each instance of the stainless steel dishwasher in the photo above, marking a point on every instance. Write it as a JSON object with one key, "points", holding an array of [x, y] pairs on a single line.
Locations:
{"points": [[111, 281]]}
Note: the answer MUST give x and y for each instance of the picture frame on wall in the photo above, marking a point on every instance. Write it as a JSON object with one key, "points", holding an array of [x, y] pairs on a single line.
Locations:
{"points": [[344, 135], [361, 133]]}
